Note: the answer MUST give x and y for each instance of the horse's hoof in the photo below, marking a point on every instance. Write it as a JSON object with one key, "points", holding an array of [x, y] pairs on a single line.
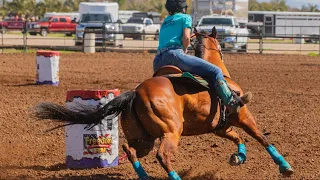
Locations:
{"points": [[235, 160], [287, 172]]}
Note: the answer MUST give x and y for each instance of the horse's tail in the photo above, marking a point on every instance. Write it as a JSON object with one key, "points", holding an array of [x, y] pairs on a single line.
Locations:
{"points": [[83, 114]]}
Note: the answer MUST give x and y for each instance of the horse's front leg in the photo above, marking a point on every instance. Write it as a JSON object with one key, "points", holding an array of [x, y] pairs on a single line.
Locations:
{"points": [[132, 156], [239, 157], [169, 144], [249, 125]]}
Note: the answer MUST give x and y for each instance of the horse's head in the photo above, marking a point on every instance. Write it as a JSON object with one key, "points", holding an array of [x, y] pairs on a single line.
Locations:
{"points": [[207, 47]]}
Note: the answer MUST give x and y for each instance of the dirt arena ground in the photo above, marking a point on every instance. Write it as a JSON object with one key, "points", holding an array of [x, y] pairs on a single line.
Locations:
{"points": [[286, 105]]}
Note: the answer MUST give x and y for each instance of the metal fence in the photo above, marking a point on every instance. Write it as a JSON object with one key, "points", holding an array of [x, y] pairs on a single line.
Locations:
{"points": [[260, 40]]}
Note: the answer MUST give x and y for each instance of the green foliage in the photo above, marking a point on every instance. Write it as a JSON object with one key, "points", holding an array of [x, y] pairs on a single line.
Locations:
{"points": [[313, 54], [310, 8], [273, 5]]}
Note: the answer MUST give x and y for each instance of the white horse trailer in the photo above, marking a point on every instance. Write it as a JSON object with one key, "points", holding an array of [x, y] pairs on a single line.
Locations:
{"points": [[286, 23]]}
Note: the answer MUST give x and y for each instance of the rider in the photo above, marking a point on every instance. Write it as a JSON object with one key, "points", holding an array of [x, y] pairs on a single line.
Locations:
{"points": [[173, 43]]}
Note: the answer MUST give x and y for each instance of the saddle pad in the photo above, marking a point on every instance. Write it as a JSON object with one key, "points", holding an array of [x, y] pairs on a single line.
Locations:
{"points": [[186, 76]]}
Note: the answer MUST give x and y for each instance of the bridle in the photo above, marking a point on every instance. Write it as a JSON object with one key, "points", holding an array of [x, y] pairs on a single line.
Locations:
{"points": [[196, 34]]}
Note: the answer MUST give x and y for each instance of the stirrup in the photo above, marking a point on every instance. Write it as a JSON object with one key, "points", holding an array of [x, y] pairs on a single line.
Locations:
{"points": [[239, 102]]}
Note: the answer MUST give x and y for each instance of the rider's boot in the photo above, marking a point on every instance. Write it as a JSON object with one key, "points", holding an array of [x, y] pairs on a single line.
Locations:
{"points": [[231, 100]]}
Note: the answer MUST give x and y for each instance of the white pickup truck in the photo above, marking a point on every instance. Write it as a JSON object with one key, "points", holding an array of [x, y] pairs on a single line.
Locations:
{"points": [[136, 27], [230, 35]]}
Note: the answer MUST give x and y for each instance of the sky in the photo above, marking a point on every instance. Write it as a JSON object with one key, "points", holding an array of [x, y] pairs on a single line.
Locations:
{"points": [[297, 3]]}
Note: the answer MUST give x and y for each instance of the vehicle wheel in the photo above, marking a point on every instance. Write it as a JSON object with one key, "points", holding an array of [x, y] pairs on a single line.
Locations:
{"points": [[78, 44], [32, 33], [69, 34], [2, 30], [313, 41], [243, 49], [156, 37], [142, 37], [43, 32]]}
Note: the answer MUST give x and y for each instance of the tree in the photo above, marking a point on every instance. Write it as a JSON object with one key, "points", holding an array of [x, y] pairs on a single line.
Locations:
{"points": [[159, 6], [20, 7], [313, 7], [273, 5], [254, 5], [139, 5], [122, 4]]}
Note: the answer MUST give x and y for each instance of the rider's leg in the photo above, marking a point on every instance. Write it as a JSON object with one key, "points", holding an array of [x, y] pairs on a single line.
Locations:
{"points": [[209, 71]]}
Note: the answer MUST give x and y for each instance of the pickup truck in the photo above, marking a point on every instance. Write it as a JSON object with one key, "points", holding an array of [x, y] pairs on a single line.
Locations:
{"points": [[12, 24], [98, 22], [139, 26], [53, 24], [230, 35]]}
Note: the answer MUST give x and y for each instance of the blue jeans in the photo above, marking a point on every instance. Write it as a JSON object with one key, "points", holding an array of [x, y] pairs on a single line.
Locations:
{"points": [[187, 63]]}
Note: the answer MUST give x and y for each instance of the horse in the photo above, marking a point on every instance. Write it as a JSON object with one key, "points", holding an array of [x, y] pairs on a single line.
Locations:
{"points": [[166, 109]]}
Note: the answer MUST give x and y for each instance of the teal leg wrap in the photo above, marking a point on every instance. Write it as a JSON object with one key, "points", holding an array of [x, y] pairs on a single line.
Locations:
{"points": [[242, 153], [174, 176], [140, 171], [278, 159]]}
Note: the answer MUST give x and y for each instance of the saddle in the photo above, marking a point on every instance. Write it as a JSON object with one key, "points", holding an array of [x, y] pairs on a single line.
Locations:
{"points": [[175, 74]]}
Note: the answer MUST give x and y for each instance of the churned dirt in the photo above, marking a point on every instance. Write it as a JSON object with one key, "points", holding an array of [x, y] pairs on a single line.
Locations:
{"points": [[286, 105]]}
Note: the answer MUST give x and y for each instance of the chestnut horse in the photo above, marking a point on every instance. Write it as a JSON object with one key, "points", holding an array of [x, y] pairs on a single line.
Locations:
{"points": [[162, 108]]}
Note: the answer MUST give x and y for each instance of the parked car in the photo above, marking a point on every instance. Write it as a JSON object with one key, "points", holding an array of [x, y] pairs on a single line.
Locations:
{"points": [[3, 25], [53, 24], [230, 35], [12, 23], [138, 26]]}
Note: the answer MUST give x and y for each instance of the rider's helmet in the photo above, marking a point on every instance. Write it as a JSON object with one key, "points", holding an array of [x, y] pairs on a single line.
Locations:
{"points": [[176, 6]]}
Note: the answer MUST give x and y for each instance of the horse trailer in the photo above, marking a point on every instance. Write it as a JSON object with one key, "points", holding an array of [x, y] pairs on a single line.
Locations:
{"points": [[279, 24]]}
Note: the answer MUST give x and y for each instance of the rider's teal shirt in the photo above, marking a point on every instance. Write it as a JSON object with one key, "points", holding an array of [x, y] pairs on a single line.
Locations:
{"points": [[171, 31]]}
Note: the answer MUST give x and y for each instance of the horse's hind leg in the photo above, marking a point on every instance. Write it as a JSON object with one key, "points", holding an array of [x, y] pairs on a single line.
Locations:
{"points": [[169, 144], [132, 156], [249, 125], [237, 158]]}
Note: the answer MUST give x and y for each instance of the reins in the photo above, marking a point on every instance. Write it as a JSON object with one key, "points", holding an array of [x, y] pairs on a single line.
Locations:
{"points": [[210, 38]]}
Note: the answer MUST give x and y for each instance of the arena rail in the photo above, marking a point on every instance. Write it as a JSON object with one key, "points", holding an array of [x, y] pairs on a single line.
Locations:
{"points": [[258, 41]]}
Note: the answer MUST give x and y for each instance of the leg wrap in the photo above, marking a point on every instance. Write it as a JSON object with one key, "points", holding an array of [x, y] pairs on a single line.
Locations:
{"points": [[242, 153], [173, 175], [140, 171], [278, 159]]}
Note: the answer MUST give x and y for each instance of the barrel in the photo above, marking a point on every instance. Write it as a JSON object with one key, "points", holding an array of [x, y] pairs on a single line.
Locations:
{"points": [[96, 147], [47, 67], [89, 45]]}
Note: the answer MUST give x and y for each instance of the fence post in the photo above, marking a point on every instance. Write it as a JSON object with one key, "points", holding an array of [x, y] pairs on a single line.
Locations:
{"points": [[104, 37], [319, 40], [25, 37], [2, 38], [300, 40], [261, 42]]}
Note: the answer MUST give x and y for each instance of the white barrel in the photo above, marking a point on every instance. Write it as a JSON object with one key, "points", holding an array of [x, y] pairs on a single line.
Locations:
{"points": [[48, 67], [97, 147], [89, 45]]}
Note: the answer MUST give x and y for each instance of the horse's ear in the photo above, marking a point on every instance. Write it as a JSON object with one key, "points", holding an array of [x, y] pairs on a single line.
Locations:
{"points": [[214, 32], [195, 30]]}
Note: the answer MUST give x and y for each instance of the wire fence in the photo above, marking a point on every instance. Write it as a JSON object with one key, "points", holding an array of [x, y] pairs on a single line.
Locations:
{"points": [[22, 36]]}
